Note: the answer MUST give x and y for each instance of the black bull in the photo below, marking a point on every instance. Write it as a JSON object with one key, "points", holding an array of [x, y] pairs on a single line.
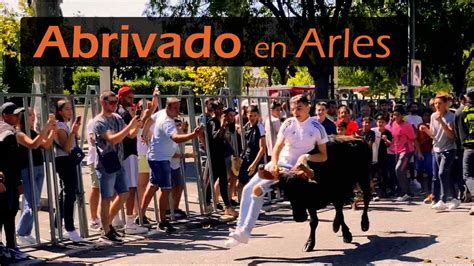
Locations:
{"points": [[348, 164]]}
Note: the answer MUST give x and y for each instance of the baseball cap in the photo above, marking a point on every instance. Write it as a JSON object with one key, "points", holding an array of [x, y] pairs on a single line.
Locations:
{"points": [[229, 110], [124, 90], [9, 108]]}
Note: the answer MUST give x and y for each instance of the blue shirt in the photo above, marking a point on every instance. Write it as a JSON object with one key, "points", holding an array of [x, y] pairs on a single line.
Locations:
{"points": [[329, 126]]}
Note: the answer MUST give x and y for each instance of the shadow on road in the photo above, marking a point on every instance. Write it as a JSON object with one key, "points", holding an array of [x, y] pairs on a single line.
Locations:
{"points": [[378, 248]]}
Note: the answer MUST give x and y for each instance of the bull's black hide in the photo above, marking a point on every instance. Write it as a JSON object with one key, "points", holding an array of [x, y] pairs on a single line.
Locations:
{"points": [[348, 163]]}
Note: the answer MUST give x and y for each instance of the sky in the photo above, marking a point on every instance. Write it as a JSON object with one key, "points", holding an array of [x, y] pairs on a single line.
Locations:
{"points": [[98, 8]]}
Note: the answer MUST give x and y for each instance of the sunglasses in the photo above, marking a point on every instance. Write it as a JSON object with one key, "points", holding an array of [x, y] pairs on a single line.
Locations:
{"points": [[112, 102]]}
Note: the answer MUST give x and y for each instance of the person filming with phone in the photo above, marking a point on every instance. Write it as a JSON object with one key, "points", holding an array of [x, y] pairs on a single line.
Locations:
{"points": [[111, 130], [163, 146], [66, 167]]}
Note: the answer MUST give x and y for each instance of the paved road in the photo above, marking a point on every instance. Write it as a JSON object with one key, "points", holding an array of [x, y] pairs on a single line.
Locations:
{"points": [[399, 233]]}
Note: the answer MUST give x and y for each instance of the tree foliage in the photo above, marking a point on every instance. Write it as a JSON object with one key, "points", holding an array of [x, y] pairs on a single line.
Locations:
{"points": [[381, 80], [301, 77]]}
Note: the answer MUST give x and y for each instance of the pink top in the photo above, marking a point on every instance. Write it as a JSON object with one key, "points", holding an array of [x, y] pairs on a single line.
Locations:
{"points": [[403, 138]]}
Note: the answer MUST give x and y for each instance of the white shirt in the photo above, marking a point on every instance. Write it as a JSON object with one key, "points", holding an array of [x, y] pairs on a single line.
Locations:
{"points": [[415, 120], [271, 138], [175, 163], [142, 148], [300, 138], [92, 153], [162, 147], [375, 147]]}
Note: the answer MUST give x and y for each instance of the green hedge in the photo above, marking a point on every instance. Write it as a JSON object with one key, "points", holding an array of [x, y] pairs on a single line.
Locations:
{"points": [[82, 79], [140, 86]]}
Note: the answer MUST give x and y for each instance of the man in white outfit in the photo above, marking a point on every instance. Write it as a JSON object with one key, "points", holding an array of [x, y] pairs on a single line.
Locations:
{"points": [[297, 136]]}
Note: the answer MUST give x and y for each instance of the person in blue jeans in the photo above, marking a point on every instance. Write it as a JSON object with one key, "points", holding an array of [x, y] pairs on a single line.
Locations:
{"points": [[444, 151], [297, 136], [36, 142], [464, 121]]}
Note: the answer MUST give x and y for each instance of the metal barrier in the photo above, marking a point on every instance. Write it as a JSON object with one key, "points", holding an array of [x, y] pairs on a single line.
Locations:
{"points": [[91, 106]]}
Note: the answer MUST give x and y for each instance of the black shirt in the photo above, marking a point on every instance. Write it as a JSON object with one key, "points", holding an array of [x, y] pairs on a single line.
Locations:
{"points": [[382, 155], [329, 126], [253, 134], [216, 140], [10, 167], [37, 154], [129, 144]]}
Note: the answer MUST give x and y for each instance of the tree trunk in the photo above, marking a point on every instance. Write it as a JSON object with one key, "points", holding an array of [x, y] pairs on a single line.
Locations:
{"points": [[458, 81], [49, 78], [321, 76], [235, 80]]}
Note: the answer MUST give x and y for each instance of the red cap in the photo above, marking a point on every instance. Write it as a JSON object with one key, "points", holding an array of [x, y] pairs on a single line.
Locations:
{"points": [[124, 90]]}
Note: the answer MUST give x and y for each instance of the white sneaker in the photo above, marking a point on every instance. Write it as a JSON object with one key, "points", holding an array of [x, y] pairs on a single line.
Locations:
{"points": [[231, 242], [74, 236], [95, 224], [453, 204], [405, 197], [471, 211], [26, 240], [117, 222], [440, 206], [133, 229], [240, 235]]}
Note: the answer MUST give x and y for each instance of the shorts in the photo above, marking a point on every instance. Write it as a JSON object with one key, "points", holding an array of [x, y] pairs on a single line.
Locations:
{"points": [[95, 181], [130, 165], [160, 174], [143, 167], [176, 178], [110, 183]]}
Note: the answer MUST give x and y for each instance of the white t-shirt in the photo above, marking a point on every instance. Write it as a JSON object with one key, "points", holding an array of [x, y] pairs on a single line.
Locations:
{"points": [[142, 148], [92, 153], [57, 148], [300, 138], [175, 163], [162, 147], [271, 138], [415, 120]]}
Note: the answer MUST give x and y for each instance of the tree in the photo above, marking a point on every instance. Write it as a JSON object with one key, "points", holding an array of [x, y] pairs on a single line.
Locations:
{"points": [[301, 77], [207, 80], [381, 80], [306, 12], [51, 78], [14, 76], [445, 41]]}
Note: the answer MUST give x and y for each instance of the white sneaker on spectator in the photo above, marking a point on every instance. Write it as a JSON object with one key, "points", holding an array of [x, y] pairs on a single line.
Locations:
{"points": [[117, 222], [405, 197], [95, 224], [74, 236], [453, 204], [133, 229], [439, 206], [26, 240]]}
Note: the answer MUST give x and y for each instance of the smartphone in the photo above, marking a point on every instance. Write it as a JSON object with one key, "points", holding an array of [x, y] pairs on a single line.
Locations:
{"points": [[138, 112], [78, 120]]}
